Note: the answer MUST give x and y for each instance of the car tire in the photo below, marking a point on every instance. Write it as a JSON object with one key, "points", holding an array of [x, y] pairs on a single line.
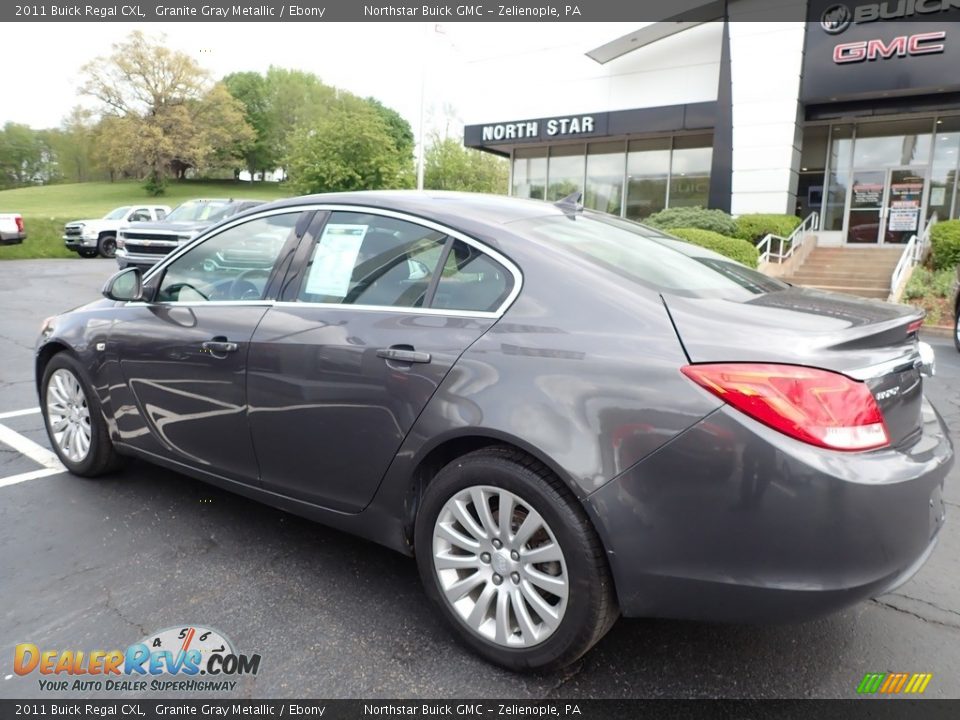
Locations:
{"points": [[88, 253], [107, 247], [540, 628], [74, 422], [956, 328]]}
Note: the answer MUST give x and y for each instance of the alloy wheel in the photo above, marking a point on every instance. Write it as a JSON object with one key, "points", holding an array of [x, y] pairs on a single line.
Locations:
{"points": [[68, 415], [500, 567]]}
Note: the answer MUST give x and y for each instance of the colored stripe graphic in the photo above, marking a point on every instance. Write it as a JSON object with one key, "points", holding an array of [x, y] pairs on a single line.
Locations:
{"points": [[894, 683]]}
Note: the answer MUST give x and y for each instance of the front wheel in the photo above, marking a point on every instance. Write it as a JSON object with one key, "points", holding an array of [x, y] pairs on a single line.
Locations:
{"points": [[107, 246], [512, 562], [74, 423], [956, 328]]}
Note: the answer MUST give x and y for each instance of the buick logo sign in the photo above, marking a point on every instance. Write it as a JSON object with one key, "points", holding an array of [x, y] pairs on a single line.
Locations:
{"points": [[835, 19]]}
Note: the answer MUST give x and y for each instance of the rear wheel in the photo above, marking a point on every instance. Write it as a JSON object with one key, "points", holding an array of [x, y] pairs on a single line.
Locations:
{"points": [[74, 422], [512, 562], [107, 246]]}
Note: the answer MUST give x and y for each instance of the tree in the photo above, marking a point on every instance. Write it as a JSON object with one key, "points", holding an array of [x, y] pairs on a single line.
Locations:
{"points": [[296, 99], [170, 116], [262, 152], [21, 155], [349, 147], [448, 165], [74, 145], [399, 128]]}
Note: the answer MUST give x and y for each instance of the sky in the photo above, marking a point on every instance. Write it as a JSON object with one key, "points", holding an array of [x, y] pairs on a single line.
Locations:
{"points": [[390, 61]]}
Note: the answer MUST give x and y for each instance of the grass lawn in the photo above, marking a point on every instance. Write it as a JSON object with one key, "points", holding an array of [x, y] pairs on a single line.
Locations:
{"points": [[46, 209]]}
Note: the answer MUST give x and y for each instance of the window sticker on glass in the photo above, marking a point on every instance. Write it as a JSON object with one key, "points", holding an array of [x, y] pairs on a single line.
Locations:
{"points": [[334, 259]]}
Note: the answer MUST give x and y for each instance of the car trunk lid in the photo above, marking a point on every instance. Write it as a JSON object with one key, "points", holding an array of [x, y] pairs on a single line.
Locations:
{"points": [[863, 339]]}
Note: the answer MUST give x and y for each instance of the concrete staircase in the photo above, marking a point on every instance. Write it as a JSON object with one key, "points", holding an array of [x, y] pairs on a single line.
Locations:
{"points": [[856, 271]]}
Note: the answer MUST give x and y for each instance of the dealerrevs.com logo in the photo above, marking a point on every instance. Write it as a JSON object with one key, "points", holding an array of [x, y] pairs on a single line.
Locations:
{"points": [[187, 658]]}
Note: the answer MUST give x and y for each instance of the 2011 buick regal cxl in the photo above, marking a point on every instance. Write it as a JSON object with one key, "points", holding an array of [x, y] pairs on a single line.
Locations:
{"points": [[562, 415]]}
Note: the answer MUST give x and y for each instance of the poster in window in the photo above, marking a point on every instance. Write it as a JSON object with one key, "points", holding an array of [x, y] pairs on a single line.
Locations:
{"points": [[334, 259]]}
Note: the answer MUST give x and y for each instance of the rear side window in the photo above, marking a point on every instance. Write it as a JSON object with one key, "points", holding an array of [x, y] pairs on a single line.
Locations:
{"points": [[363, 259], [646, 256], [471, 281]]}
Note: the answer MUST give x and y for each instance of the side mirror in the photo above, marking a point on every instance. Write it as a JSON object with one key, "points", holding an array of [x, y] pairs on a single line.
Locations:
{"points": [[125, 286]]}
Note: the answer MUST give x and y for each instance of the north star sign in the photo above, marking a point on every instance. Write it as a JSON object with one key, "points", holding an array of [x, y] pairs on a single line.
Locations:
{"points": [[530, 129]]}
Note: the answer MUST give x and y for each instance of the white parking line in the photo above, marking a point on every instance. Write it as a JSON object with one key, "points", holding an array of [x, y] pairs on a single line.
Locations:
{"points": [[23, 477], [28, 448], [19, 413]]}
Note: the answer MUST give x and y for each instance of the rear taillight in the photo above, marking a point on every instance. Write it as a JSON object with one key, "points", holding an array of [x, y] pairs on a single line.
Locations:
{"points": [[915, 326], [19, 223], [819, 407]]}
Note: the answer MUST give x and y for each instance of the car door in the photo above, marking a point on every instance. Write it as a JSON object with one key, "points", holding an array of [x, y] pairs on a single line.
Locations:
{"points": [[183, 355], [341, 367]]}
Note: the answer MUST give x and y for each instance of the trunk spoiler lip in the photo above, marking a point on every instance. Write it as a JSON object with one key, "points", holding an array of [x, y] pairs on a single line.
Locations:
{"points": [[911, 361]]}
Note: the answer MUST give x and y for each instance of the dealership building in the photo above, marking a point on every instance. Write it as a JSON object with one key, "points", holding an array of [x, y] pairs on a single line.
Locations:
{"points": [[853, 114]]}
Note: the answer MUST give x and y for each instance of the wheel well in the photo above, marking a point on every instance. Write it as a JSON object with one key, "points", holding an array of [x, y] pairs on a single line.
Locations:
{"points": [[105, 233], [441, 456], [44, 356]]}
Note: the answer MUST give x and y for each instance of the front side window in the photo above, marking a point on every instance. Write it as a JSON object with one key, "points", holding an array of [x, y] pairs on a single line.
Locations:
{"points": [[232, 265], [363, 259]]}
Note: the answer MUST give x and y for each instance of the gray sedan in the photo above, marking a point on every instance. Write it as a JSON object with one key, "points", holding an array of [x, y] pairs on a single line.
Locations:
{"points": [[563, 416]]}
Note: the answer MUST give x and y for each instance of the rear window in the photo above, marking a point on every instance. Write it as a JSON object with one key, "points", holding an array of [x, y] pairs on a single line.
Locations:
{"points": [[646, 256]]}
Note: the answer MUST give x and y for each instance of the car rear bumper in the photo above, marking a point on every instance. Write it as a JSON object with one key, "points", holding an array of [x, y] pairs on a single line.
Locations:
{"points": [[733, 521], [12, 238]]}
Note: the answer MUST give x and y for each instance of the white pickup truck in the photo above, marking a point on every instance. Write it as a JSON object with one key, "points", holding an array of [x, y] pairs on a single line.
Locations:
{"points": [[12, 231], [90, 238]]}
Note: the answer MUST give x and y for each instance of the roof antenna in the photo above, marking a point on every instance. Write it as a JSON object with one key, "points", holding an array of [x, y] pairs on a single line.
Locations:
{"points": [[571, 203]]}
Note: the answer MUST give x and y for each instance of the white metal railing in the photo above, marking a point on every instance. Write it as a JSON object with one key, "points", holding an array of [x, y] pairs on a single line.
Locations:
{"points": [[906, 262], [913, 253], [786, 245]]}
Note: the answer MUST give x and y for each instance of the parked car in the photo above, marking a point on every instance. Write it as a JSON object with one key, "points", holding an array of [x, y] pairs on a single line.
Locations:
{"points": [[564, 416], [145, 244], [89, 238], [12, 230]]}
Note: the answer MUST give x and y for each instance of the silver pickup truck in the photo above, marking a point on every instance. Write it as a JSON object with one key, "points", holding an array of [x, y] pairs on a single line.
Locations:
{"points": [[145, 244]]}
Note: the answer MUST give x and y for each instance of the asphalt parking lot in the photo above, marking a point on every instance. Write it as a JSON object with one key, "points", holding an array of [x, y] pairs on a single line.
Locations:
{"points": [[101, 564]]}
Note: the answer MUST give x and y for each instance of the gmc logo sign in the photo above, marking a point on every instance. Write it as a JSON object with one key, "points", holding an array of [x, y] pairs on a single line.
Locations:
{"points": [[920, 44]]}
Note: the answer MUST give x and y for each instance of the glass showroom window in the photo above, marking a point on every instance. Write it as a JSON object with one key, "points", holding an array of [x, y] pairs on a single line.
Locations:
{"points": [[943, 174], [690, 171], [648, 172], [838, 176], [813, 158], [893, 144], [565, 171], [530, 173], [605, 165]]}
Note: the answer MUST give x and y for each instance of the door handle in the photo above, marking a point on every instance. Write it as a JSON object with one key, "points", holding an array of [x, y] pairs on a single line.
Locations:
{"points": [[220, 346], [403, 354]]}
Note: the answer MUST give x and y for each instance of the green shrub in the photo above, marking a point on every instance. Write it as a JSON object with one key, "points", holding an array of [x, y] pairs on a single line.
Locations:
{"points": [[754, 227], [926, 283], [945, 244], [733, 248], [694, 217]]}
